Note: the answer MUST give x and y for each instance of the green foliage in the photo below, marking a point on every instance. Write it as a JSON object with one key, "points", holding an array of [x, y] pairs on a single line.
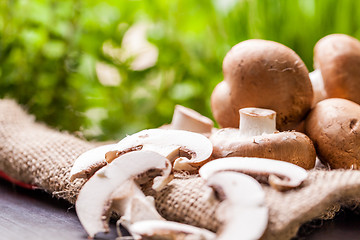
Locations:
{"points": [[52, 54]]}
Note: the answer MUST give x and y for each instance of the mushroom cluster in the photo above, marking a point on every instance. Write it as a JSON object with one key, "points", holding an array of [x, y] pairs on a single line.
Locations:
{"points": [[266, 87], [263, 74], [332, 123], [116, 172]]}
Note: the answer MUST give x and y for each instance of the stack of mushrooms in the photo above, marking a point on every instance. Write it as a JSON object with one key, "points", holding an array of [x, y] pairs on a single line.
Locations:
{"points": [[266, 94]]}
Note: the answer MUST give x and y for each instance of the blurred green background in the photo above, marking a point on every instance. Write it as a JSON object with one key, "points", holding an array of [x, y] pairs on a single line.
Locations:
{"points": [[110, 68]]}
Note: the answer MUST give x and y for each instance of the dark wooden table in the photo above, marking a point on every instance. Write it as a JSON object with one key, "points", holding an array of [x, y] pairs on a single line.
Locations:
{"points": [[33, 214]]}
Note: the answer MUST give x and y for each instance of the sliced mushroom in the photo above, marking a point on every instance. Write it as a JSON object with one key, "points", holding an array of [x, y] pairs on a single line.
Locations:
{"points": [[280, 175], [334, 127], [264, 74], [242, 210], [258, 137], [90, 161], [117, 181], [190, 120], [337, 64], [186, 150], [173, 144], [157, 229]]}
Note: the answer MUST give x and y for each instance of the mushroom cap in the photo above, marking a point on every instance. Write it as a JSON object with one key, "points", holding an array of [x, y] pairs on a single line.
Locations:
{"points": [[264, 74], [293, 147], [223, 109], [333, 126], [338, 58]]}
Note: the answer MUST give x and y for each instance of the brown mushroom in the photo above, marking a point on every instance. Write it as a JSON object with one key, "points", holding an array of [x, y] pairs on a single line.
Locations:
{"points": [[333, 126], [258, 137], [337, 63], [264, 74]]}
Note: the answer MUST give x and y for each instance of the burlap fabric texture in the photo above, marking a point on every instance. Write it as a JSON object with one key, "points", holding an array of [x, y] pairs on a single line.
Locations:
{"points": [[36, 154]]}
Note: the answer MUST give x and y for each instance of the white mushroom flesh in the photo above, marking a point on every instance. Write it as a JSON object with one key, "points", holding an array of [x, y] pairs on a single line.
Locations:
{"points": [[242, 210], [90, 161], [284, 175], [318, 86], [257, 121], [170, 143], [95, 197], [190, 120], [169, 230], [176, 145]]}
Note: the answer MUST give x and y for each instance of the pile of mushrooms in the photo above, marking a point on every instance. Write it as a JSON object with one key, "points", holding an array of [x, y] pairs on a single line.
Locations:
{"points": [[263, 74], [332, 123], [266, 87]]}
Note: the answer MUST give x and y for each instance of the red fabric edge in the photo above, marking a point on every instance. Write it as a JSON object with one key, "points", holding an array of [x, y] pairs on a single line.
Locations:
{"points": [[16, 182]]}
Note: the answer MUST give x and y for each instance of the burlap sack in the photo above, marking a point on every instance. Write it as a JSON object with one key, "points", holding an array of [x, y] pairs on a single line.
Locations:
{"points": [[35, 154]]}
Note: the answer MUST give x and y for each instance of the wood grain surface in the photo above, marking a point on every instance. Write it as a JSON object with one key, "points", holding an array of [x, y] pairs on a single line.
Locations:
{"points": [[34, 214]]}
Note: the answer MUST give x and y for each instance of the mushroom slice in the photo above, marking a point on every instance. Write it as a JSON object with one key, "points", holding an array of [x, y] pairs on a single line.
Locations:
{"points": [[190, 120], [89, 162], [157, 229], [258, 137], [281, 175], [192, 149], [242, 209], [186, 150], [116, 181]]}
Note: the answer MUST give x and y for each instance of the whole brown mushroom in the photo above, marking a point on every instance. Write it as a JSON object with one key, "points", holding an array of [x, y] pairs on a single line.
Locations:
{"points": [[264, 74], [337, 64], [258, 137], [333, 126]]}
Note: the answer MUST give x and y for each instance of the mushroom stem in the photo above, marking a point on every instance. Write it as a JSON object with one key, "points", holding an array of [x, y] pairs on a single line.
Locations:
{"points": [[135, 206], [257, 121], [190, 120], [317, 83]]}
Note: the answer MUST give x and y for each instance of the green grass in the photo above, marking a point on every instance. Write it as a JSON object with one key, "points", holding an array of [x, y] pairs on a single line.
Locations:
{"points": [[49, 50]]}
